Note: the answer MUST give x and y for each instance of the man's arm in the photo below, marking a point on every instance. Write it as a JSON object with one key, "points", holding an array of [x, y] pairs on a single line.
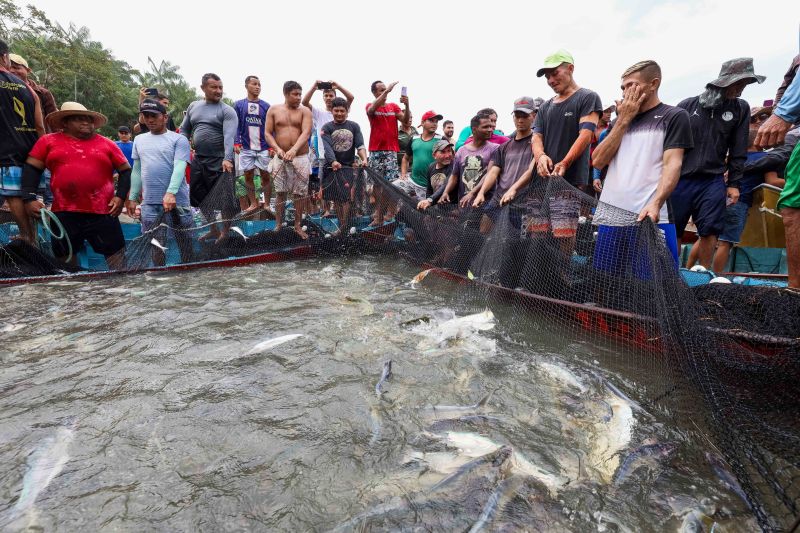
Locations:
{"points": [[670, 174], [404, 166], [773, 131], [772, 178], [522, 182], [452, 181], [268, 129], [380, 100], [237, 141], [405, 116], [580, 145], [186, 125], [230, 123], [330, 155], [136, 181], [347, 94], [737, 148], [487, 183], [309, 94]]}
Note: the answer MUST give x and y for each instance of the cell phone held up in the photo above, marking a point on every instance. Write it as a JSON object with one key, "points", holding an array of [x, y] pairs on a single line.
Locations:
{"points": [[403, 91], [151, 91], [324, 85]]}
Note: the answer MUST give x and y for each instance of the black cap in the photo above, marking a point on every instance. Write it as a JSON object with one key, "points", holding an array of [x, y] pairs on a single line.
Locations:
{"points": [[152, 106], [123, 129]]}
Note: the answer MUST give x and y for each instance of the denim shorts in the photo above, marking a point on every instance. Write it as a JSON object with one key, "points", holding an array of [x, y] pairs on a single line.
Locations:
{"points": [[734, 219]]}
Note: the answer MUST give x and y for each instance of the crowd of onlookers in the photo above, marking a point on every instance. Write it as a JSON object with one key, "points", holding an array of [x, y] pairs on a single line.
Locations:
{"points": [[698, 161]]}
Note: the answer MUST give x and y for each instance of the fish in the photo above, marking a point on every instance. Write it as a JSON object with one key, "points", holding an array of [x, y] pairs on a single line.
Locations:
{"points": [[470, 444], [695, 521], [563, 375], [157, 244], [419, 277], [441, 462], [44, 465], [610, 438], [640, 457], [452, 411], [496, 458], [366, 307], [263, 346], [385, 375], [415, 321], [521, 465], [460, 327], [617, 392], [238, 230], [8, 328], [446, 424], [722, 472], [505, 490]]}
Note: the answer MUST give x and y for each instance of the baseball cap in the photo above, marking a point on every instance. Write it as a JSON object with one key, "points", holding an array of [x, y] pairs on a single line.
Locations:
{"points": [[431, 115], [526, 104], [152, 106], [123, 129], [554, 60], [441, 145], [18, 59]]}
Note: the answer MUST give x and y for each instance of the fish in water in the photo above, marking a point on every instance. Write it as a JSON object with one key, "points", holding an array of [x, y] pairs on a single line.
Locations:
{"points": [[419, 277], [8, 328], [460, 327], [263, 346], [238, 230], [641, 456], [452, 411], [610, 438], [449, 424], [385, 375], [504, 491], [158, 245], [724, 474], [696, 521], [563, 375], [470, 444], [44, 464], [495, 459]]}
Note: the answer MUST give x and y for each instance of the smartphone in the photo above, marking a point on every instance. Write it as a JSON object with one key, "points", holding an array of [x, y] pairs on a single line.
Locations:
{"points": [[151, 91], [403, 91], [324, 85]]}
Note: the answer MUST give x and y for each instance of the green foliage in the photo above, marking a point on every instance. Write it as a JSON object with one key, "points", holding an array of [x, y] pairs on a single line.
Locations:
{"points": [[76, 68]]}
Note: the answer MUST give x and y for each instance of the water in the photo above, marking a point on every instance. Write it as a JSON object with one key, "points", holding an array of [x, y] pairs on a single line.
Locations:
{"points": [[176, 429]]}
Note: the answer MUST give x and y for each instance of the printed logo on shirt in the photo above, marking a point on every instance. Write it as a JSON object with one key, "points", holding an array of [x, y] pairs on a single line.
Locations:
{"points": [[19, 109], [727, 116], [342, 140], [252, 108], [658, 116], [437, 180], [568, 114], [695, 113], [472, 171]]}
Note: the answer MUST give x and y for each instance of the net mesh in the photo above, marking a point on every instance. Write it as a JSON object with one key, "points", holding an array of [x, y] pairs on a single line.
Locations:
{"points": [[724, 358]]}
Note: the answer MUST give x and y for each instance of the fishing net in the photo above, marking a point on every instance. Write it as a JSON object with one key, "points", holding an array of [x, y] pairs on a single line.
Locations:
{"points": [[722, 361]]}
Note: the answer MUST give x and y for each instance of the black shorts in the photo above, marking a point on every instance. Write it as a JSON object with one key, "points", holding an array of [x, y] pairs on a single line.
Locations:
{"points": [[337, 185], [210, 188], [103, 232]]}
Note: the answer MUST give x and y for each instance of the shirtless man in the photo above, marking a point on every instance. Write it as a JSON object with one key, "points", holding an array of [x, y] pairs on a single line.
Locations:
{"points": [[287, 131]]}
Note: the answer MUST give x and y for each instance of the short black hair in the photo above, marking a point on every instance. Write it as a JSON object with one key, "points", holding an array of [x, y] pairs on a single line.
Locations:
{"points": [[374, 84], [248, 78], [446, 122], [339, 102], [290, 86], [209, 76], [487, 111], [3, 48]]}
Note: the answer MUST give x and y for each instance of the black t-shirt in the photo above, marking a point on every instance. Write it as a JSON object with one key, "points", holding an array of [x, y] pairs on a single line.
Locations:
{"points": [[341, 142], [437, 181], [17, 121], [559, 124], [513, 158]]}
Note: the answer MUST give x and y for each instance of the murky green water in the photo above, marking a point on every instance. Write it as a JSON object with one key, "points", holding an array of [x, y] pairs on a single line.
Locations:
{"points": [[172, 427]]}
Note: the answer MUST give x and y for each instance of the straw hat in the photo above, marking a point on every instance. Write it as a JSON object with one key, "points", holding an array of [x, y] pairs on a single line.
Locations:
{"points": [[70, 109]]}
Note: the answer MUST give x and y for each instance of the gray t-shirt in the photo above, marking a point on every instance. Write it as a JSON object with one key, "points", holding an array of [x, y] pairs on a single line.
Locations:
{"points": [[559, 124], [212, 128], [157, 154], [513, 158]]}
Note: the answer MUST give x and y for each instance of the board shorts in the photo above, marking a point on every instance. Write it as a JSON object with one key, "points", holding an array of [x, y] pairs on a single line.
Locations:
{"points": [[11, 181], [252, 159], [242, 189], [619, 251], [208, 181], [337, 185], [290, 176], [701, 197], [790, 196], [103, 232], [733, 222], [385, 164], [411, 189]]}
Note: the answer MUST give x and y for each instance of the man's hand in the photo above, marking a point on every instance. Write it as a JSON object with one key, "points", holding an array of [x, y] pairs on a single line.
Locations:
{"points": [[168, 202], [227, 166], [560, 168], [480, 199], [544, 166], [597, 185], [115, 206], [404, 100], [130, 205], [508, 197], [334, 85], [280, 153], [364, 163], [289, 156], [466, 200], [33, 208], [772, 132], [316, 85], [336, 166], [650, 210], [237, 148], [444, 198], [424, 204], [731, 195], [632, 99]]}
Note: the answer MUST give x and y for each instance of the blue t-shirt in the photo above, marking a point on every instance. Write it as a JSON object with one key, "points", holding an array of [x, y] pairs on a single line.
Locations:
{"points": [[252, 120], [127, 149], [158, 154], [750, 181]]}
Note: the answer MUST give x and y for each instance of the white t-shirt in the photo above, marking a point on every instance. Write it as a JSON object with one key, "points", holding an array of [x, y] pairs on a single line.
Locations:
{"points": [[320, 116]]}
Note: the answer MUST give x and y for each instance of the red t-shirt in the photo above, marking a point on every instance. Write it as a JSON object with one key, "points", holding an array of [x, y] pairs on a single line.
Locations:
{"points": [[383, 129], [82, 171]]}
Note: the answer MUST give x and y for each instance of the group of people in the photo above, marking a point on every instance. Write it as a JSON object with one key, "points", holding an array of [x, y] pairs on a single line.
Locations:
{"points": [[698, 160]]}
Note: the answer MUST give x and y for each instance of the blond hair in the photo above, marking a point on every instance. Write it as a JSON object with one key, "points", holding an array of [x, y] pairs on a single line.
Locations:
{"points": [[649, 69]]}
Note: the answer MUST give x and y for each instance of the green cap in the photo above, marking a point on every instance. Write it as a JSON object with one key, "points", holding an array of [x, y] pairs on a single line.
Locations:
{"points": [[554, 60]]}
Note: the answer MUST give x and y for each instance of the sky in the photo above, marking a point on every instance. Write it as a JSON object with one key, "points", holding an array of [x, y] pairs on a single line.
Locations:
{"points": [[455, 57]]}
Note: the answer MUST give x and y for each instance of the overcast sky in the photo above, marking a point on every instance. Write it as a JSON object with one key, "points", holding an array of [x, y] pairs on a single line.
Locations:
{"points": [[455, 57]]}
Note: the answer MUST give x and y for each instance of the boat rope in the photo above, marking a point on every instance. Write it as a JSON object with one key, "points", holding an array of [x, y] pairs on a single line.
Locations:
{"points": [[49, 217]]}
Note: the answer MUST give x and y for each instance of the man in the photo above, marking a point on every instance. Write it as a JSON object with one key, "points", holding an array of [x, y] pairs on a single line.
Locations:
{"points": [[288, 129], [82, 163], [643, 152], [404, 135], [210, 125], [124, 142], [419, 156], [471, 162], [720, 121], [343, 140], [163, 99], [448, 129], [497, 137], [251, 141], [512, 162], [20, 126], [788, 78], [438, 173], [321, 116], [20, 67], [160, 160], [383, 146]]}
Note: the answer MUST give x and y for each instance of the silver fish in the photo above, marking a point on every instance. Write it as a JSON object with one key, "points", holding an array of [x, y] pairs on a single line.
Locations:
{"points": [[263, 346], [504, 490], [385, 375], [158, 245], [728, 479], [639, 457], [238, 230], [452, 411], [496, 459]]}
